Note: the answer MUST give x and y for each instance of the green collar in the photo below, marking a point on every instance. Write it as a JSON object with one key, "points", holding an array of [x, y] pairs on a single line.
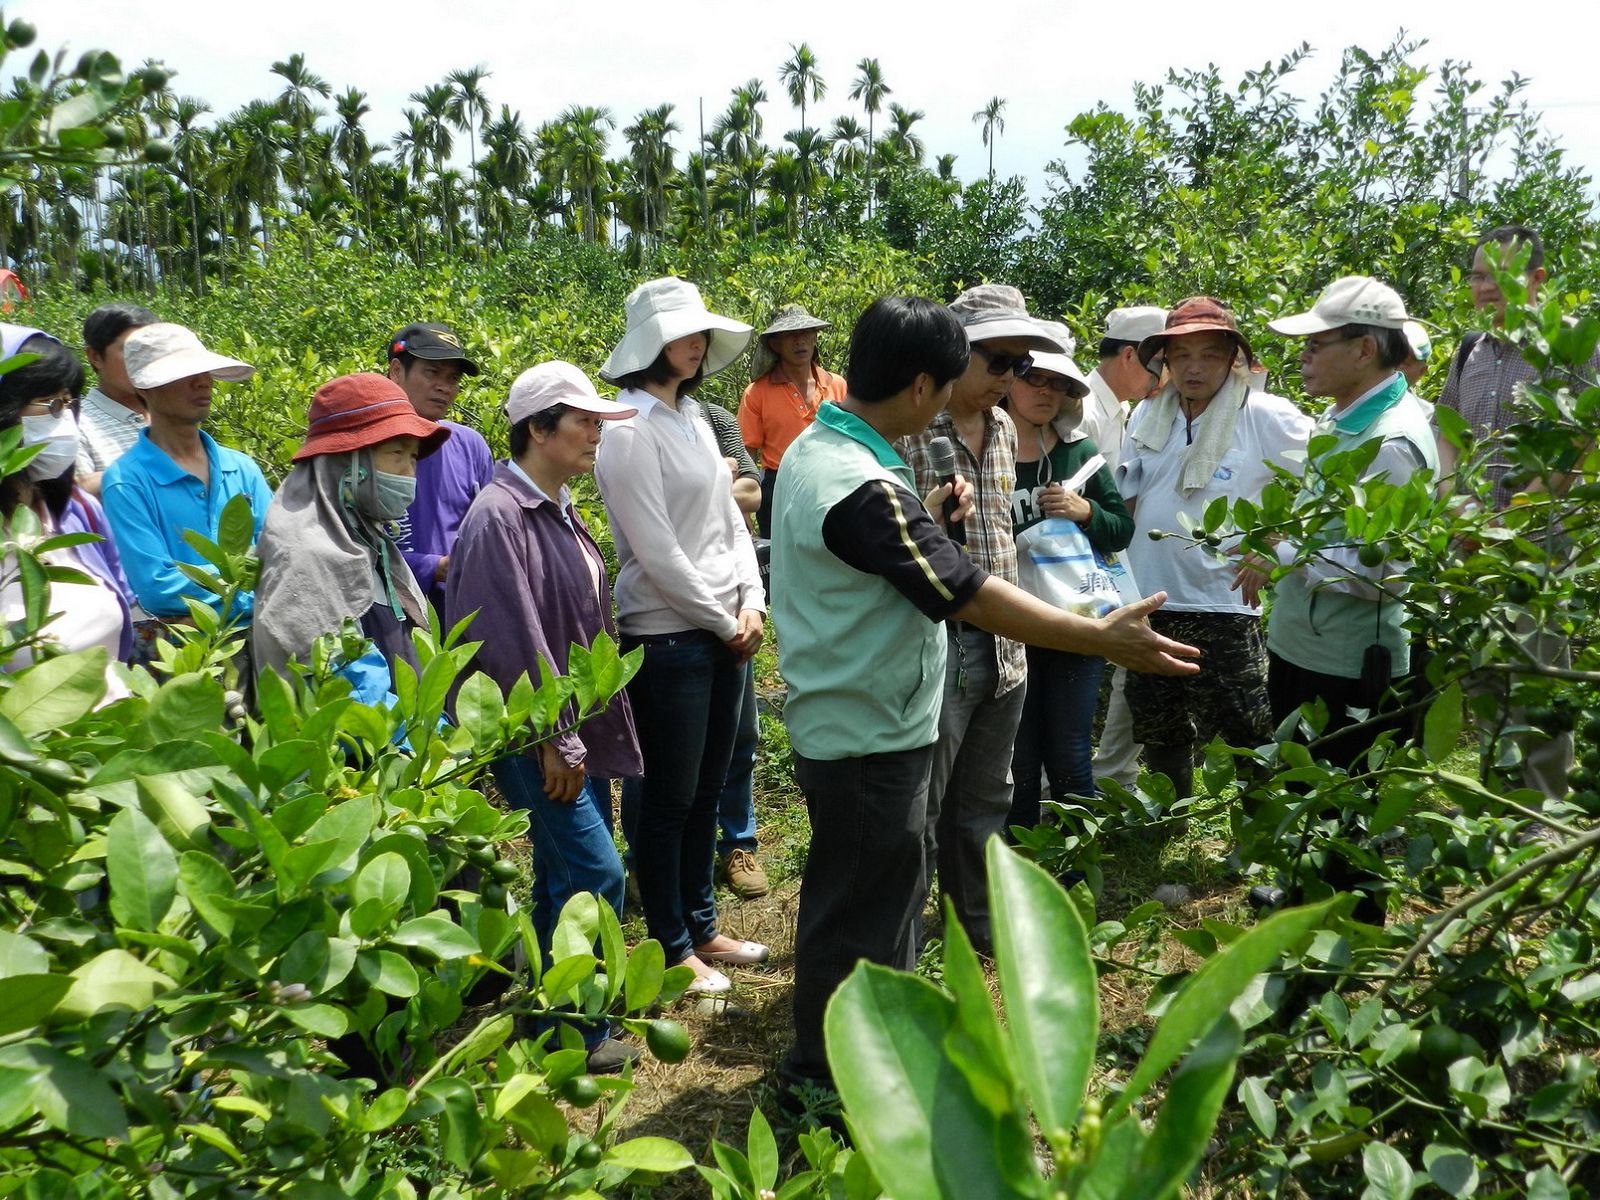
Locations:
{"points": [[853, 427], [1358, 418]]}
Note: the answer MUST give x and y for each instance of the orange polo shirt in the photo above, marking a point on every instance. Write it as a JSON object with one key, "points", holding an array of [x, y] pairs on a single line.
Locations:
{"points": [[773, 413]]}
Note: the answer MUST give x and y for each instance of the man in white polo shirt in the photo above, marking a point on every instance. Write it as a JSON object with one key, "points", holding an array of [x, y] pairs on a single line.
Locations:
{"points": [[111, 415]]}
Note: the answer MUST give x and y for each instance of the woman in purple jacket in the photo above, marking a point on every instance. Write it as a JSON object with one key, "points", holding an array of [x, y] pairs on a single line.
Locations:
{"points": [[525, 563], [40, 397]]}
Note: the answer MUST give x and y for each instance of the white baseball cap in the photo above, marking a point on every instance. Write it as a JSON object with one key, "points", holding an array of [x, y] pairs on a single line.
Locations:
{"points": [[1135, 323], [159, 354], [1421, 343], [1061, 364], [552, 383], [1353, 300]]}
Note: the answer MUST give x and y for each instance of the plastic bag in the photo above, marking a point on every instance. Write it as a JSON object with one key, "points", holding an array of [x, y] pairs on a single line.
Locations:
{"points": [[1056, 563]]}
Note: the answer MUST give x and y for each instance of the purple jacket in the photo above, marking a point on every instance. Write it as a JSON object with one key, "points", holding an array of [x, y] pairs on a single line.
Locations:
{"points": [[83, 514], [519, 565], [447, 481]]}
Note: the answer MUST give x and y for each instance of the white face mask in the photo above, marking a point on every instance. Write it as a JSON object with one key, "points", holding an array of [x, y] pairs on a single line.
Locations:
{"points": [[58, 436]]}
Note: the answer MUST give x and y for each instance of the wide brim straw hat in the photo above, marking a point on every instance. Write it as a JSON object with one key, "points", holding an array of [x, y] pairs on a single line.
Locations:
{"points": [[156, 355], [664, 310], [793, 318], [1197, 314], [354, 412], [992, 312]]}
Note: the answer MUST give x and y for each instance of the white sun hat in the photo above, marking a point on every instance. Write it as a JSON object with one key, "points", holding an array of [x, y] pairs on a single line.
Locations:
{"points": [[552, 383], [663, 311], [1061, 364], [1353, 300], [157, 355]]}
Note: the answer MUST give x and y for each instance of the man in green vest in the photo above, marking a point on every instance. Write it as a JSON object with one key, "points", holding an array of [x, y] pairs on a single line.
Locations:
{"points": [[863, 579], [1336, 631]]}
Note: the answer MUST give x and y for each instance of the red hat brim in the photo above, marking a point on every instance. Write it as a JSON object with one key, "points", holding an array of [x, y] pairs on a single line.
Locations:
{"points": [[429, 434]]}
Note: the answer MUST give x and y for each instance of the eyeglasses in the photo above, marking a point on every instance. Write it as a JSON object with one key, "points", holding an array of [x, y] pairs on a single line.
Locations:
{"points": [[1049, 381], [999, 364], [1314, 348], [54, 405]]}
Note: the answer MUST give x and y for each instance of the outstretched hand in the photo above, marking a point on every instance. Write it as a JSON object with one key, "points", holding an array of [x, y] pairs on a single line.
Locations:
{"points": [[1131, 643]]}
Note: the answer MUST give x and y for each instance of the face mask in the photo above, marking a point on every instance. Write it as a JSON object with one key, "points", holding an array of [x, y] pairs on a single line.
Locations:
{"points": [[392, 495], [58, 436]]}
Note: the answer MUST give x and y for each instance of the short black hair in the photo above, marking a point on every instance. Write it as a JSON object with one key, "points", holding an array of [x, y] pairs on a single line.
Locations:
{"points": [[544, 422], [660, 371], [1516, 237], [1111, 347], [110, 321], [1394, 347], [55, 368], [899, 338]]}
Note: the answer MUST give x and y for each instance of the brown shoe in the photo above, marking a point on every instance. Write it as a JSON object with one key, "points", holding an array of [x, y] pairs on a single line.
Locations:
{"points": [[744, 875]]}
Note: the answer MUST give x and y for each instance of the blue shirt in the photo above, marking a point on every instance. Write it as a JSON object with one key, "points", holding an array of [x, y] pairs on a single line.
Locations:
{"points": [[150, 501]]}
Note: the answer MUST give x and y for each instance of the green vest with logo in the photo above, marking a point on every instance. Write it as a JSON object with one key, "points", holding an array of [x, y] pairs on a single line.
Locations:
{"points": [[865, 668], [1328, 631]]}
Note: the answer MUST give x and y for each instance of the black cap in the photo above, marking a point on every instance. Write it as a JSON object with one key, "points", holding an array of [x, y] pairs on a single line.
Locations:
{"points": [[437, 343]]}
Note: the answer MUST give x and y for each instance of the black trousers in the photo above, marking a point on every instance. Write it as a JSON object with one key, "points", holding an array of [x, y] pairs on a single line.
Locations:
{"points": [[863, 888], [1289, 686]]}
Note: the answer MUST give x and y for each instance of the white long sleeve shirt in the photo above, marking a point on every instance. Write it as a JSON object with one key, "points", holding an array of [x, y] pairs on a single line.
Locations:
{"points": [[684, 555]]}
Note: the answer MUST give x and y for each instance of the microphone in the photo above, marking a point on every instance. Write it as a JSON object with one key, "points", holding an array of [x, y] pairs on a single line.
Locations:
{"points": [[942, 458]]}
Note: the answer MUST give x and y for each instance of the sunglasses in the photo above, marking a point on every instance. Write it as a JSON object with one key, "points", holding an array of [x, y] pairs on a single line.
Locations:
{"points": [[1048, 381], [55, 405], [999, 364]]}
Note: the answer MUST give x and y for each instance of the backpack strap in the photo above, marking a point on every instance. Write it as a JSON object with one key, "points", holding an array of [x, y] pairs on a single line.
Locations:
{"points": [[1468, 341]]}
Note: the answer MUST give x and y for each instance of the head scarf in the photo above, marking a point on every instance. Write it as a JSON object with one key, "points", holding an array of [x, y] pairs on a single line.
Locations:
{"points": [[323, 559]]}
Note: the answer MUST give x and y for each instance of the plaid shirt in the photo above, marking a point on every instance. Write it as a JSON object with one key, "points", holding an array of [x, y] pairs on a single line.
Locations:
{"points": [[989, 540], [1483, 391]]}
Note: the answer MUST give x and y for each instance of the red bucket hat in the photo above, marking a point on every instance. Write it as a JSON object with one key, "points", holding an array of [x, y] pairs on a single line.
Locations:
{"points": [[1197, 314], [356, 411]]}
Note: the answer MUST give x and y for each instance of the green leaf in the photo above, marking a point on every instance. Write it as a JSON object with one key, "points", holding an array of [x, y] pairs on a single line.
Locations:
{"points": [[323, 1020], [55, 693], [1188, 1116], [1441, 727], [1451, 1168], [762, 1150], [1048, 985], [389, 972], [206, 884], [1388, 1174], [111, 979], [386, 1110], [488, 1036], [236, 528], [438, 934], [21, 955], [184, 706], [68, 1093], [657, 1154], [977, 1045], [26, 1000], [647, 963], [142, 870], [182, 819], [1206, 995], [384, 881], [479, 710], [1253, 1095], [915, 1117], [614, 951], [577, 928], [1546, 1184]]}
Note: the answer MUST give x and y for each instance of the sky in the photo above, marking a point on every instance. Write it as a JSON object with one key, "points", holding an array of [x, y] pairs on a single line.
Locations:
{"points": [[1049, 59]]}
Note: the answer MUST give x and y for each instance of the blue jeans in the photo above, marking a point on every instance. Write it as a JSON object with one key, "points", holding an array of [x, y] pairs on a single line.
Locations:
{"points": [[686, 701], [736, 810], [1057, 731], [572, 847]]}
